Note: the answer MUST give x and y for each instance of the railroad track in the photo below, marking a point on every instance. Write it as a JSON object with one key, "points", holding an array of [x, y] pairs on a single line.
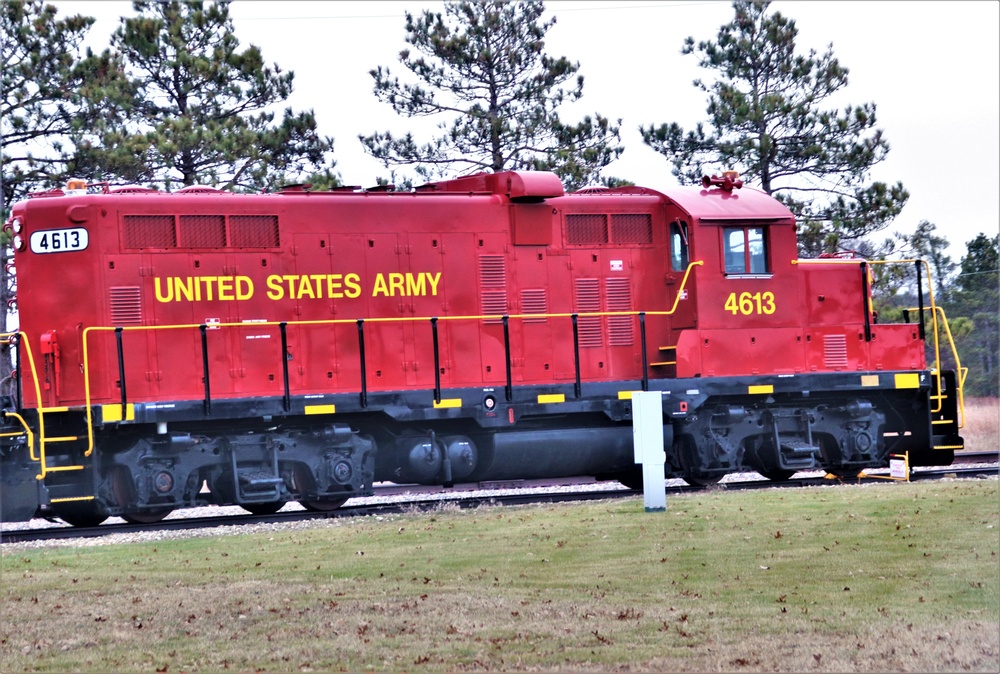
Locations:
{"points": [[410, 498]]}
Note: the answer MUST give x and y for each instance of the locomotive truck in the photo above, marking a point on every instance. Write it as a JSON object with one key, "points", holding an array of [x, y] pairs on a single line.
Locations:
{"points": [[204, 347]]}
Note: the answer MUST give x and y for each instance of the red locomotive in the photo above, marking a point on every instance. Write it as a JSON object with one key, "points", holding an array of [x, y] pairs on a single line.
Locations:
{"points": [[205, 347]]}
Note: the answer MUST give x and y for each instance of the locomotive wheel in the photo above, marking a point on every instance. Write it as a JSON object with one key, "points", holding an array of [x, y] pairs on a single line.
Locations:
{"points": [[145, 516], [124, 491], [302, 481], [686, 451], [702, 480], [630, 479], [82, 514], [777, 475], [832, 457], [323, 506], [266, 508]]}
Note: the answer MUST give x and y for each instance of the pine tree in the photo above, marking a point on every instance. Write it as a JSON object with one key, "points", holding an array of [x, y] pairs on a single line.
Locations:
{"points": [[40, 101], [482, 67], [193, 108], [768, 121], [977, 298]]}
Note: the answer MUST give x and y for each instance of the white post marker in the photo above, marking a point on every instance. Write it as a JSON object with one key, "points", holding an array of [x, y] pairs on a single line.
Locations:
{"points": [[647, 439]]}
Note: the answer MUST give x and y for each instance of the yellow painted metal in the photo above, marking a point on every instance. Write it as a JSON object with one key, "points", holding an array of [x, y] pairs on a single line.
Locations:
{"points": [[72, 499], [905, 456], [320, 409], [764, 388], [546, 398], [447, 402], [113, 413]]}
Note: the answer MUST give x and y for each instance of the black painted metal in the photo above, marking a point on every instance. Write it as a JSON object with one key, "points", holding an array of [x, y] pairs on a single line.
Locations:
{"points": [[364, 370], [645, 358], [509, 388], [864, 301], [576, 353], [20, 384], [121, 365], [204, 364], [283, 327], [920, 300], [437, 360]]}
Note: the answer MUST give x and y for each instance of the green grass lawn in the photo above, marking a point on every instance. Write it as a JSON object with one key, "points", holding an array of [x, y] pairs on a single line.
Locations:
{"points": [[885, 577]]}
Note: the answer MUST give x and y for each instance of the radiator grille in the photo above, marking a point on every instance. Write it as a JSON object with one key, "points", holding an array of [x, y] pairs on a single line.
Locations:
{"points": [[534, 301], [588, 299], [632, 228], [586, 228], [254, 231], [126, 305], [835, 350], [150, 231], [493, 285], [202, 231], [619, 294]]}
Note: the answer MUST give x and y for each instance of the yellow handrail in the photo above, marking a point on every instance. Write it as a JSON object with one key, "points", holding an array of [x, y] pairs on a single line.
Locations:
{"points": [[23, 342], [31, 437]]}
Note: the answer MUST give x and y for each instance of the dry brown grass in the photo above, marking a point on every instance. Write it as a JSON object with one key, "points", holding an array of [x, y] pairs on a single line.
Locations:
{"points": [[874, 578], [982, 424]]}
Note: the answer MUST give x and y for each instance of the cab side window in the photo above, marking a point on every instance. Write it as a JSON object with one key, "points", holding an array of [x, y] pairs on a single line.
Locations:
{"points": [[679, 253], [745, 250]]}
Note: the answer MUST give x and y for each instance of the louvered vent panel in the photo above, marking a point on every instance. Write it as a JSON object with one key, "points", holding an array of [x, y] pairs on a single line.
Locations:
{"points": [[619, 296], [835, 350], [534, 301], [586, 229], [631, 228], [493, 285], [253, 231], [150, 231], [126, 305], [202, 231], [588, 298]]}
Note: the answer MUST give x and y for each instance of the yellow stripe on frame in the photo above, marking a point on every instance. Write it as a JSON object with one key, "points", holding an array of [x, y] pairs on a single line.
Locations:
{"points": [[766, 388], [448, 402], [552, 398], [113, 413], [910, 380], [869, 380], [321, 409], [626, 395]]}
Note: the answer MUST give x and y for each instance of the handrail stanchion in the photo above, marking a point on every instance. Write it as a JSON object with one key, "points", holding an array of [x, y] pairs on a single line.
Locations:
{"points": [[361, 352], [121, 365], [287, 397], [576, 353], [437, 360], [865, 301], [509, 388], [645, 359], [204, 364], [920, 300]]}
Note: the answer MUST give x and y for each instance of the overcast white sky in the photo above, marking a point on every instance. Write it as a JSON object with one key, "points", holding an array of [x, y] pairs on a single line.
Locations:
{"points": [[931, 67]]}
